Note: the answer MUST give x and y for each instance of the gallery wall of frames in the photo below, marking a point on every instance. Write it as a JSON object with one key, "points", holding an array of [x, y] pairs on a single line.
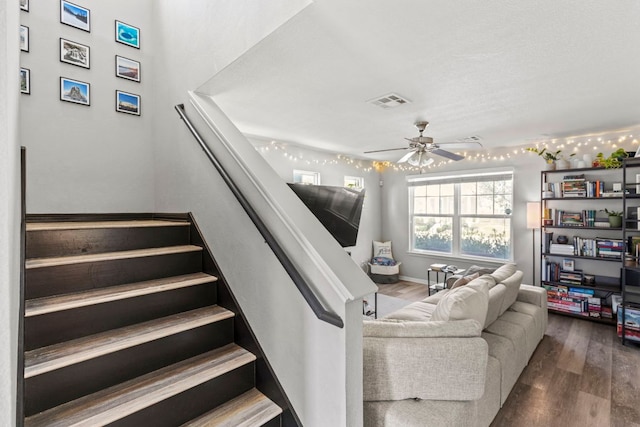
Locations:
{"points": [[76, 52]]}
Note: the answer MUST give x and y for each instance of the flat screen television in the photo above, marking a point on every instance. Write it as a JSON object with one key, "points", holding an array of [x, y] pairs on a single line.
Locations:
{"points": [[337, 208]]}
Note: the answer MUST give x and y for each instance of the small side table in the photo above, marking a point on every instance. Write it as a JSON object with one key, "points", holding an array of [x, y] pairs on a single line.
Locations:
{"points": [[438, 286]]}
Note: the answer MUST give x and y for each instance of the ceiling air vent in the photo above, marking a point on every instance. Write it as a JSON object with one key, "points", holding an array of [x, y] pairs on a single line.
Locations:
{"points": [[470, 139], [389, 101]]}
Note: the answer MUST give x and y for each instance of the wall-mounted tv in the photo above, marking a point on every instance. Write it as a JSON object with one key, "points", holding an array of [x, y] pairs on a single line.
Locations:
{"points": [[337, 208]]}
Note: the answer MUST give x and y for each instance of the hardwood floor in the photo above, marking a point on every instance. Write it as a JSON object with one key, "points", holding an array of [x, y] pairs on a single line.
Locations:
{"points": [[580, 375]]}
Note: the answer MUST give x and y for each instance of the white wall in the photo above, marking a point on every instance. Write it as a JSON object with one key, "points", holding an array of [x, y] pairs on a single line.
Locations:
{"points": [[395, 225], [9, 210], [87, 159], [332, 168]]}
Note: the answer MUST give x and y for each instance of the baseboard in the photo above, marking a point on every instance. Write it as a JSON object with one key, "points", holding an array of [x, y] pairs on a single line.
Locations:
{"points": [[414, 279]]}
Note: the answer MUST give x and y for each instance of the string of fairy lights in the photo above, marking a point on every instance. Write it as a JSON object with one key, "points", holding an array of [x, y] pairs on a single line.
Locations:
{"points": [[576, 145]]}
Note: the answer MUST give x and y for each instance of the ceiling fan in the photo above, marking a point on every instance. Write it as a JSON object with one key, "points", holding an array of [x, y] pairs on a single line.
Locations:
{"points": [[421, 146]]}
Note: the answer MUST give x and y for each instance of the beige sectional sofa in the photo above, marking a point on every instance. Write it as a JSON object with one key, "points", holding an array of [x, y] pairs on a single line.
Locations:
{"points": [[452, 359]]}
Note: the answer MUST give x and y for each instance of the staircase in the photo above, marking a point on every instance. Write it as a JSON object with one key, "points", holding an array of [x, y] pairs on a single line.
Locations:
{"points": [[122, 328]]}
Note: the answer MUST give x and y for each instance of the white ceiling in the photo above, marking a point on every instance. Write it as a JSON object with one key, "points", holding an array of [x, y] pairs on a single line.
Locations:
{"points": [[510, 72]]}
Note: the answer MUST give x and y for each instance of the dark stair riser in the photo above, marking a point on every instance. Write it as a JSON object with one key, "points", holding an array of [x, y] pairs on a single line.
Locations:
{"points": [[52, 328], [55, 243], [62, 385], [47, 281], [194, 402]]}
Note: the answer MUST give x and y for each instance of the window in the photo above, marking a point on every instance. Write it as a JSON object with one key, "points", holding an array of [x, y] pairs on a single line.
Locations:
{"points": [[354, 182], [467, 215], [306, 177]]}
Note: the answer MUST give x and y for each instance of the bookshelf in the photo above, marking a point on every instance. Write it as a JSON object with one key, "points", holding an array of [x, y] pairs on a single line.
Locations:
{"points": [[628, 318], [581, 252]]}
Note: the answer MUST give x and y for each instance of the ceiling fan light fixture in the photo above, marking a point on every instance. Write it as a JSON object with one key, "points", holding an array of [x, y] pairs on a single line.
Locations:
{"points": [[419, 159]]}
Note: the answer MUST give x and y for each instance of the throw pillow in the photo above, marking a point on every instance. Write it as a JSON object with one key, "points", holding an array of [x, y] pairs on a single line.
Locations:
{"points": [[382, 249], [477, 269], [503, 272], [464, 280], [464, 302]]}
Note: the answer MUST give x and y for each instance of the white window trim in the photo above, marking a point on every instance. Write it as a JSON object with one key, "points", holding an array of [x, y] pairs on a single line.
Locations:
{"points": [[359, 179], [316, 176], [447, 177]]}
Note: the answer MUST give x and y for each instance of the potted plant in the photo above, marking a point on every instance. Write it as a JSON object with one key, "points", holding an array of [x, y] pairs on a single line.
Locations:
{"points": [[548, 156], [615, 218], [613, 161], [554, 159]]}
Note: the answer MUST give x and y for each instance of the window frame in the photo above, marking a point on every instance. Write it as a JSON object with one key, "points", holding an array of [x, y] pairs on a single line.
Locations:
{"points": [[300, 173], [414, 181]]}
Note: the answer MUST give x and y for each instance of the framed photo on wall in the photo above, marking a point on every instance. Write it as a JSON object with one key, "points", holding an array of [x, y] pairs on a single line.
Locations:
{"points": [[75, 16], [75, 53], [127, 68], [24, 38], [128, 103], [24, 5], [25, 80], [75, 91], [127, 34]]}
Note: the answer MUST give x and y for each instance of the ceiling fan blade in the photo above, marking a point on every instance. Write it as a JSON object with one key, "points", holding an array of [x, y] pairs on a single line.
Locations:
{"points": [[461, 145], [406, 157], [447, 154], [388, 149]]}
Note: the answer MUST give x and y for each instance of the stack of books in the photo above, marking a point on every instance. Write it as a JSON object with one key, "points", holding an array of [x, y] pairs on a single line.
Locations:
{"points": [[560, 249], [570, 277], [631, 323], [610, 248], [574, 186], [561, 299]]}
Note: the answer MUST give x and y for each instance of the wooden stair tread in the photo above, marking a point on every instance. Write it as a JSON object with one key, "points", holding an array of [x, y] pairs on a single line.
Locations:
{"points": [[249, 409], [81, 225], [51, 304], [108, 256], [119, 401], [56, 356]]}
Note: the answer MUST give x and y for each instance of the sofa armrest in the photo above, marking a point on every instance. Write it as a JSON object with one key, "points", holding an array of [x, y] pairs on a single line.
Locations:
{"points": [[424, 360], [533, 295]]}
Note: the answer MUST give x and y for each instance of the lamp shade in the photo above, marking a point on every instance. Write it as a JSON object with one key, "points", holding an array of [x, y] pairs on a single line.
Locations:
{"points": [[419, 159], [533, 215]]}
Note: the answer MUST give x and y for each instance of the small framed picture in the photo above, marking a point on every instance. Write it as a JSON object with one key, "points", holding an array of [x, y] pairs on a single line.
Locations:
{"points": [[75, 16], [568, 264], [25, 80], [74, 53], [24, 5], [127, 68], [127, 34], [24, 38], [127, 103], [75, 91]]}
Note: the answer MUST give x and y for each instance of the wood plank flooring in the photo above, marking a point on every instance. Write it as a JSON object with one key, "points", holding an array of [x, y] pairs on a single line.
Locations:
{"points": [[580, 375]]}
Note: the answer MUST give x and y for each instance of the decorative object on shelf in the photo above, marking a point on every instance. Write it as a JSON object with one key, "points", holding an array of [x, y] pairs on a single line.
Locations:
{"points": [[75, 91], [127, 34], [614, 160], [127, 103], [75, 16], [127, 68], [563, 240], [74, 53], [24, 38], [548, 156], [25, 80], [615, 218]]}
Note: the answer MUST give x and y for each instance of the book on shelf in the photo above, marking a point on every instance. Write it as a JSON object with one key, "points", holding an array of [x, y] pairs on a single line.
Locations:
{"points": [[561, 249], [631, 323]]}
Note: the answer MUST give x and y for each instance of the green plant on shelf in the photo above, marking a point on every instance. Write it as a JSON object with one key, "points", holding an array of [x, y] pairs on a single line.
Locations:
{"points": [[614, 160]]}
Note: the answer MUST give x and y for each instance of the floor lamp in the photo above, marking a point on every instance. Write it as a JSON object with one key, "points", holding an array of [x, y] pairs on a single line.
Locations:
{"points": [[533, 222]]}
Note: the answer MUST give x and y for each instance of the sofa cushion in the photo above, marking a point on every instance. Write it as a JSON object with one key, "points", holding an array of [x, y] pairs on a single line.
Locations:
{"points": [[512, 284], [464, 280], [503, 272], [496, 299], [419, 310], [465, 302]]}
